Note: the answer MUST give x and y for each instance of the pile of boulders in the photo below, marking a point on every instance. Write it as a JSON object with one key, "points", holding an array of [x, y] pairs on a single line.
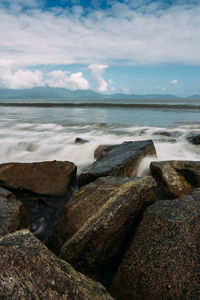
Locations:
{"points": [[104, 235]]}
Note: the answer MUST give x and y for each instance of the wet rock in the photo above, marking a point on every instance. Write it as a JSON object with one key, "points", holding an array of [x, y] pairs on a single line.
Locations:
{"points": [[101, 150], [162, 261], [109, 211], [194, 138], [189, 169], [43, 188], [28, 270], [13, 214], [80, 141], [118, 160], [164, 133], [175, 178]]}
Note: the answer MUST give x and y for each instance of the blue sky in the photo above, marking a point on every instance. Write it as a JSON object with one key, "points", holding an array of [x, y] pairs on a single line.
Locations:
{"points": [[138, 46]]}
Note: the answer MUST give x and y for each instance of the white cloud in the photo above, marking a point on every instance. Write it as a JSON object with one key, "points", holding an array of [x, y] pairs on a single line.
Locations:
{"points": [[131, 33], [58, 74], [78, 81], [21, 79], [59, 78], [175, 81], [28, 79], [97, 72]]}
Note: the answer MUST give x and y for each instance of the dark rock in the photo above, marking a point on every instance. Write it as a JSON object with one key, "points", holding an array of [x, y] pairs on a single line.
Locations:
{"points": [[175, 178], [162, 261], [28, 270], [118, 160], [194, 138], [13, 214], [101, 150], [109, 210], [164, 133], [43, 188], [80, 141]]}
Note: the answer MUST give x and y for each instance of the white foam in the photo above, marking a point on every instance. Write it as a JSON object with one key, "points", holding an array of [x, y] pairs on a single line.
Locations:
{"points": [[28, 142]]}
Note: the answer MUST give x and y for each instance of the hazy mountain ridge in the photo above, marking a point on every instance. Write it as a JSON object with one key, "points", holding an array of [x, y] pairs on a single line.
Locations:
{"points": [[62, 93]]}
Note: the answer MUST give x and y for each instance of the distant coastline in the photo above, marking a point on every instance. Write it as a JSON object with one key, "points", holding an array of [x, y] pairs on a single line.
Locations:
{"points": [[65, 94]]}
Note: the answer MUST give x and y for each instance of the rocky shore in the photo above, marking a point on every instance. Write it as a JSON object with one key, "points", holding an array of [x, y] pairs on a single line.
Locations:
{"points": [[105, 234]]}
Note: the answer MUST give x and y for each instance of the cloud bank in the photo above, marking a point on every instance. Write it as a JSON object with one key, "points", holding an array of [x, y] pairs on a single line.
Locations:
{"points": [[62, 79], [25, 79], [133, 33]]}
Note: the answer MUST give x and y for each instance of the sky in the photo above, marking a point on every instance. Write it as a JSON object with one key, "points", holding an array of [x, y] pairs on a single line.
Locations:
{"points": [[130, 46]]}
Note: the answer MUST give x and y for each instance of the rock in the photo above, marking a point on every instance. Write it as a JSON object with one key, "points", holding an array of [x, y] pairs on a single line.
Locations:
{"points": [[28, 270], [43, 188], [101, 150], [119, 160], [38, 178], [80, 141], [162, 261], [13, 213], [83, 205], [194, 138], [175, 178], [189, 169], [164, 133], [102, 217]]}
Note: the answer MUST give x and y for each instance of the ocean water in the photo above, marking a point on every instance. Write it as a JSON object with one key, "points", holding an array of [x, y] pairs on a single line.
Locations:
{"points": [[32, 131]]}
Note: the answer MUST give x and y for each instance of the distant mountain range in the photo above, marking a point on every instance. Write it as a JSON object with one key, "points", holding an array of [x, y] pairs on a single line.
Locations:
{"points": [[61, 93]]}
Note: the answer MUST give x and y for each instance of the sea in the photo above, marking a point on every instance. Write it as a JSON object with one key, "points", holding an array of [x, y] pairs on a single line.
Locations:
{"points": [[45, 130]]}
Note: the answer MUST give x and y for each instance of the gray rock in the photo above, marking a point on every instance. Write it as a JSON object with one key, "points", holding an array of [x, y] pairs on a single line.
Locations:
{"points": [[119, 160]]}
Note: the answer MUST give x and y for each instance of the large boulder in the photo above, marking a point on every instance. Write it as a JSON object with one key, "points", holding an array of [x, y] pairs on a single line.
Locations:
{"points": [[28, 270], [50, 178], [100, 220], [118, 160], [83, 205], [175, 178], [43, 188], [13, 214], [163, 260]]}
